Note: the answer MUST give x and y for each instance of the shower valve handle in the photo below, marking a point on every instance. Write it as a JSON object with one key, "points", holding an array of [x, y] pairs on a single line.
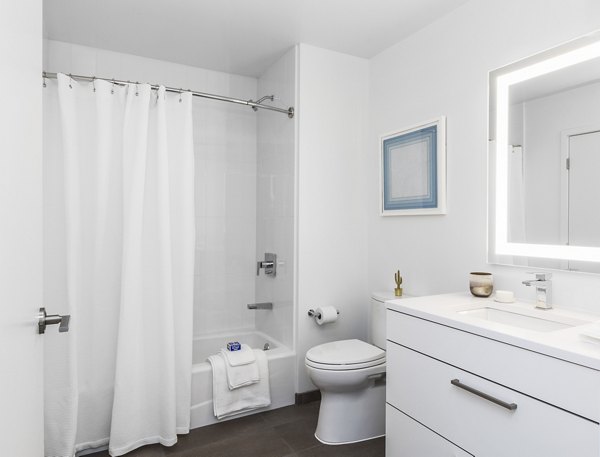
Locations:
{"points": [[269, 264], [262, 264], [45, 319]]}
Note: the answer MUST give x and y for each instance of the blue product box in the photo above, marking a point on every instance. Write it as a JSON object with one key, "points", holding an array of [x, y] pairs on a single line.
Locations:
{"points": [[234, 346]]}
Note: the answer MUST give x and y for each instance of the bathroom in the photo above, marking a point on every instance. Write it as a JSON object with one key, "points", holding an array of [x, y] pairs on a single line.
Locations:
{"points": [[305, 188]]}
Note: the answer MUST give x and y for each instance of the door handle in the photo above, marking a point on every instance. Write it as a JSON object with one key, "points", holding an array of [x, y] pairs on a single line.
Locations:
{"points": [[45, 319]]}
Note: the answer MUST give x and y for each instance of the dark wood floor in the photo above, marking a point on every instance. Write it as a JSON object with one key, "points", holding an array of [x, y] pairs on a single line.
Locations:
{"points": [[284, 432]]}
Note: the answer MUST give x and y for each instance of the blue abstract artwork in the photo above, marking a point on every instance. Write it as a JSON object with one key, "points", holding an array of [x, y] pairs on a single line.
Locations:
{"points": [[410, 170]]}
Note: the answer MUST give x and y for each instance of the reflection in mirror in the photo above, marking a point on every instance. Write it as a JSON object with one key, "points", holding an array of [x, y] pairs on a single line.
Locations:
{"points": [[545, 142]]}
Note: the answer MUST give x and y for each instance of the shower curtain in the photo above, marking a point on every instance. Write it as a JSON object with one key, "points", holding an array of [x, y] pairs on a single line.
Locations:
{"points": [[119, 258], [516, 201]]}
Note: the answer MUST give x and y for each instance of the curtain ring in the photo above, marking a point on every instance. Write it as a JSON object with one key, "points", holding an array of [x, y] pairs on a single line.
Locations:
{"points": [[112, 89], [180, 92], [94, 83], [44, 79], [70, 81], [137, 92]]}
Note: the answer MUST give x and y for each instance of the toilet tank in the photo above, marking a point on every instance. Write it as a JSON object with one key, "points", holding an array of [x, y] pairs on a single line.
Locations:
{"points": [[377, 335]]}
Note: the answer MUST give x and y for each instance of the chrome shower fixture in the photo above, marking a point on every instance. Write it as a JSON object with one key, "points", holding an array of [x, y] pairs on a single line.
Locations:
{"points": [[262, 99]]}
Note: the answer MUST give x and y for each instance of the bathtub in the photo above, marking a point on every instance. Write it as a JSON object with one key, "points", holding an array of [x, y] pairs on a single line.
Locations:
{"points": [[281, 373]]}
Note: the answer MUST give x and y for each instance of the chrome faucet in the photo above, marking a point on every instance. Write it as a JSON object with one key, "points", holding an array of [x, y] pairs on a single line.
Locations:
{"points": [[543, 289], [266, 305]]}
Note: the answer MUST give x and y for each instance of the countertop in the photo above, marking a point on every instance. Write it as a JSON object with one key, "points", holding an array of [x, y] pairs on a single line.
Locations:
{"points": [[566, 344]]}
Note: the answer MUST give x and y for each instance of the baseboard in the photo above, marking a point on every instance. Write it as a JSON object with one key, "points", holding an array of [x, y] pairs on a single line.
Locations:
{"points": [[308, 397]]}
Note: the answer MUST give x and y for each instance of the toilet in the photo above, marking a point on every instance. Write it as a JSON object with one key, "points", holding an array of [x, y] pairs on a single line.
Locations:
{"points": [[351, 377]]}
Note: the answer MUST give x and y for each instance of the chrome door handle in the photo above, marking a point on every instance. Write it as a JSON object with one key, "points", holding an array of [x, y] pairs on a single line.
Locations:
{"points": [[45, 319], [479, 393]]}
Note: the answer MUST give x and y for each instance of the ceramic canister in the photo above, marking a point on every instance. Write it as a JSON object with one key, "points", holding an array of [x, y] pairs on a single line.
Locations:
{"points": [[481, 283]]}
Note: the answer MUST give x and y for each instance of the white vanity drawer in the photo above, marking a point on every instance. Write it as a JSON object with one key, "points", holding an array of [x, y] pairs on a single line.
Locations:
{"points": [[552, 380], [407, 438], [420, 386]]}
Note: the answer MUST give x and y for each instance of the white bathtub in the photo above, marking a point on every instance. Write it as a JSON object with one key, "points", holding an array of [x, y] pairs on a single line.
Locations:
{"points": [[281, 373]]}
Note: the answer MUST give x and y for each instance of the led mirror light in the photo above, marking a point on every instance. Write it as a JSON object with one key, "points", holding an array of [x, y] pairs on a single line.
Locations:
{"points": [[503, 83]]}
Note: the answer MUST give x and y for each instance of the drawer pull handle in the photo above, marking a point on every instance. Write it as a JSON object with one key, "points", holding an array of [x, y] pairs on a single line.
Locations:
{"points": [[479, 393]]}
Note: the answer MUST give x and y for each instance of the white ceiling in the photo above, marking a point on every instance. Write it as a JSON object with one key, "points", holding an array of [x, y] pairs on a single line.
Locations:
{"points": [[238, 36]]}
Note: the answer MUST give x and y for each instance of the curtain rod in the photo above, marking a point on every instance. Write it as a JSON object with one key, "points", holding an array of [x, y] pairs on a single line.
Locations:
{"points": [[254, 105]]}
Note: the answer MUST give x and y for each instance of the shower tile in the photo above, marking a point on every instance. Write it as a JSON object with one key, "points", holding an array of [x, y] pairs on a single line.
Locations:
{"points": [[244, 86], [173, 75], [136, 68], [85, 59], [109, 64], [215, 234], [59, 57]]}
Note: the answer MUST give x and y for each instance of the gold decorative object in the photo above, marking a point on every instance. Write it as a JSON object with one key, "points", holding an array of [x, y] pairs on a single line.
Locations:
{"points": [[398, 289]]}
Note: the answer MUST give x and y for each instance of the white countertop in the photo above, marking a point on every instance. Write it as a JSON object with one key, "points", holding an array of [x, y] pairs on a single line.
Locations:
{"points": [[566, 344]]}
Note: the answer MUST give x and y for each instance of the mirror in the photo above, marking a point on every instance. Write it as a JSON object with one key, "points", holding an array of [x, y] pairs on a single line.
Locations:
{"points": [[545, 159]]}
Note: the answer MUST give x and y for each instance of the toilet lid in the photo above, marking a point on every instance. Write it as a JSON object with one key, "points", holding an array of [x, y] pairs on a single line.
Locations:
{"points": [[346, 352]]}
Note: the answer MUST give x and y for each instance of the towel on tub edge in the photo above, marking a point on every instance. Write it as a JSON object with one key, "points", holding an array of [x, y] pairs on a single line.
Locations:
{"points": [[242, 357], [242, 374], [228, 402]]}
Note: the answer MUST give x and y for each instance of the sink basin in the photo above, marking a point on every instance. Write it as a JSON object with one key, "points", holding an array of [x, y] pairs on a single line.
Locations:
{"points": [[513, 318]]}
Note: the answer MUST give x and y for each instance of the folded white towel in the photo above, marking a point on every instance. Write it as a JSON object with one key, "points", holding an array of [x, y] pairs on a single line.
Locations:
{"points": [[228, 402], [241, 376], [242, 357]]}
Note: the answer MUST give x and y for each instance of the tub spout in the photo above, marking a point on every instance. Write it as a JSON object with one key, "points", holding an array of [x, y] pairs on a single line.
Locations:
{"points": [[267, 305]]}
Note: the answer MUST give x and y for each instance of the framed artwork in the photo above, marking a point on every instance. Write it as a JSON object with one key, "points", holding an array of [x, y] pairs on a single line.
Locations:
{"points": [[413, 170]]}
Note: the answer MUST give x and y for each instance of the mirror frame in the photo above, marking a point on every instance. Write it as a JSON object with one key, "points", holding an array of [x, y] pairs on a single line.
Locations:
{"points": [[500, 80]]}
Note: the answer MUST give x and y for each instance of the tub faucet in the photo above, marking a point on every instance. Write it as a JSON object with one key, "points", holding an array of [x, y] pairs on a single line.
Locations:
{"points": [[543, 289], [267, 305]]}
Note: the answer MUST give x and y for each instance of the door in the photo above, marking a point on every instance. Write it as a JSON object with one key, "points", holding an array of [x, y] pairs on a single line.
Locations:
{"points": [[584, 194], [21, 404]]}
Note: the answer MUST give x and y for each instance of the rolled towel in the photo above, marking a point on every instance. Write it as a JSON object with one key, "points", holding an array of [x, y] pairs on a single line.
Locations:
{"points": [[243, 356]]}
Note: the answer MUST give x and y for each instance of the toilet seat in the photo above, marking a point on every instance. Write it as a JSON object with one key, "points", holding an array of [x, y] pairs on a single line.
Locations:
{"points": [[345, 355]]}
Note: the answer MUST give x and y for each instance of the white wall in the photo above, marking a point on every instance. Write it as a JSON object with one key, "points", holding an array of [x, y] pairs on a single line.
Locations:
{"points": [[275, 202], [332, 236], [443, 69], [225, 151]]}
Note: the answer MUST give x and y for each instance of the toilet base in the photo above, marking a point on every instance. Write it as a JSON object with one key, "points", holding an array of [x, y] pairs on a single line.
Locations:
{"points": [[350, 417], [347, 442]]}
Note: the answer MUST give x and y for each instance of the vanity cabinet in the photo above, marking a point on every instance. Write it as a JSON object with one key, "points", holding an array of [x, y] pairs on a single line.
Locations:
{"points": [[413, 439], [455, 393]]}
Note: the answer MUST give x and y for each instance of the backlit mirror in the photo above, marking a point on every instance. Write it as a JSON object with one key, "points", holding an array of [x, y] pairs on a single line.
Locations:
{"points": [[545, 159]]}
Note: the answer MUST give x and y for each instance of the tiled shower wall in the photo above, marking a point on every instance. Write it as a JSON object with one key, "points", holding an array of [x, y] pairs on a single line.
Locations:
{"points": [[225, 145], [275, 199]]}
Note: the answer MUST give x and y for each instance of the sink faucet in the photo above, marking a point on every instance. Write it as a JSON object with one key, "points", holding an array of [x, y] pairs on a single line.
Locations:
{"points": [[543, 290]]}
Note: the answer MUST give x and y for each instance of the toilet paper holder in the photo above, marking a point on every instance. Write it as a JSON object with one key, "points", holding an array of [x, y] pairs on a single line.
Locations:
{"points": [[313, 313]]}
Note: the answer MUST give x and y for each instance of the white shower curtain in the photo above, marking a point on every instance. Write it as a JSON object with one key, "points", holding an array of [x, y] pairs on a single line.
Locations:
{"points": [[119, 257], [516, 201]]}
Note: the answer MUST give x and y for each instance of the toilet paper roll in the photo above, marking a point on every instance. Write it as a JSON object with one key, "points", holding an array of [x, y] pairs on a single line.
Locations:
{"points": [[326, 314]]}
